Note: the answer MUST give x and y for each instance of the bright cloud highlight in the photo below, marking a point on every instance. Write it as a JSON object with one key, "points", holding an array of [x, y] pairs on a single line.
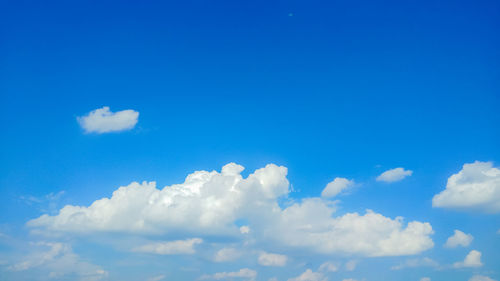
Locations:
{"points": [[476, 187], [102, 120], [336, 186], [394, 175], [473, 259]]}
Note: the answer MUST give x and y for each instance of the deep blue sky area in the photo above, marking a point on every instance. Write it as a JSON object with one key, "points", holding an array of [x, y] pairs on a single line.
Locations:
{"points": [[326, 88]]}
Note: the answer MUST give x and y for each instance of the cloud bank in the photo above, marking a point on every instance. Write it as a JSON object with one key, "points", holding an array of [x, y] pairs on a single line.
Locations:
{"points": [[210, 203], [102, 120]]}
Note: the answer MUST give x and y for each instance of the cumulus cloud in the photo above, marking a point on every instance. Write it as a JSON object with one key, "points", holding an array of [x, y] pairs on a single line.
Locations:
{"points": [[473, 259], [336, 186], [476, 186], [459, 239], [102, 120], [58, 260], [480, 278], [178, 247], [393, 175], [309, 275], [420, 262], [243, 273], [269, 259], [212, 202], [227, 254]]}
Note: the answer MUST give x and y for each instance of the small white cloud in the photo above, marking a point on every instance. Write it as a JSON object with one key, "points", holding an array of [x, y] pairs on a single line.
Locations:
{"points": [[329, 267], [246, 273], [459, 239], [245, 229], [269, 259], [102, 120], [351, 265], [419, 262], [425, 279], [336, 186], [178, 247], [393, 175], [157, 278], [475, 187], [480, 278], [309, 275], [226, 254], [473, 259]]}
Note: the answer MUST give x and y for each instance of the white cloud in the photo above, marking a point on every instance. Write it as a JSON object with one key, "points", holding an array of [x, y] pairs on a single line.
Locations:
{"points": [[425, 279], [246, 273], [178, 247], [245, 229], [227, 254], [336, 186], [393, 175], [269, 259], [351, 265], [212, 202], [329, 267], [459, 239], [157, 278], [420, 262], [309, 275], [473, 259], [58, 260], [476, 186], [480, 278], [102, 120]]}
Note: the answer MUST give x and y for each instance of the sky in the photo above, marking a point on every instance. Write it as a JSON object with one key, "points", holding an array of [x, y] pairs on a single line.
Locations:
{"points": [[250, 140]]}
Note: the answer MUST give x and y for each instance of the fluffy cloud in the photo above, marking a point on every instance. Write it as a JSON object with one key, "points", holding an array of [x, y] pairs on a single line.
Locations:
{"points": [[178, 247], [336, 186], [244, 273], [393, 175], [476, 186], [459, 239], [269, 259], [473, 259], [480, 278], [58, 261], [420, 262], [211, 202], [102, 120], [309, 275], [226, 254]]}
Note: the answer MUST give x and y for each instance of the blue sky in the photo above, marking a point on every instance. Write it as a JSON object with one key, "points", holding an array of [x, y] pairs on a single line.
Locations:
{"points": [[327, 89]]}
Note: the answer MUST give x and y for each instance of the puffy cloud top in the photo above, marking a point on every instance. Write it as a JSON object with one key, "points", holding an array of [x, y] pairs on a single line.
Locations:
{"points": [[209, 203], [473, 259], [102, 120], [393, 175], [476, 186]]}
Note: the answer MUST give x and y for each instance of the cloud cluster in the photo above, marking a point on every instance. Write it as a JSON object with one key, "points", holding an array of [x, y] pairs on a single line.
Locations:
{"points": [[58, 261], [102, 120], [394, 175], [211, 202], [475, 187], [459, 239]]}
